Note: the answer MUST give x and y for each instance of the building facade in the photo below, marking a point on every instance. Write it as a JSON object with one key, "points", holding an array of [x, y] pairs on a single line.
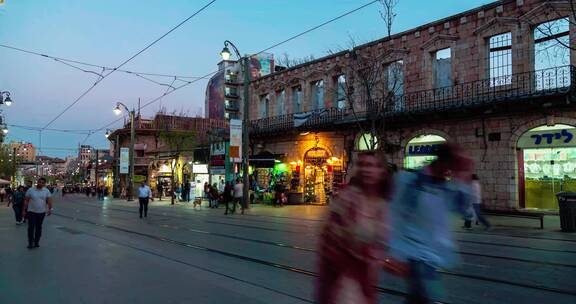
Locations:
{"points": [[24, 151], [499, 80], [160, 162]]}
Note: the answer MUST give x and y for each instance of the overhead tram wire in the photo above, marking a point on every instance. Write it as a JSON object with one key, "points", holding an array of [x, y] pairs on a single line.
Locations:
{"points": [[264, 50], [69, 61], [125, 62]]}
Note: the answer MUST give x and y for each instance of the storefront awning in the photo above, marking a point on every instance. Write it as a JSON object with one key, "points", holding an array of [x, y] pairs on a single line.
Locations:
{"points": [[265, 160]]}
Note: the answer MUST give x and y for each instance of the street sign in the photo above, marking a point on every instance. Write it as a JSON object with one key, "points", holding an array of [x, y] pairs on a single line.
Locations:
{"points": [[236, 140], [124, 160]]}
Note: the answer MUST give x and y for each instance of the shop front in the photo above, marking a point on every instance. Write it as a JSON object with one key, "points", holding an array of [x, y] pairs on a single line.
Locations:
{"points": [[322, 172], [268, 172], [420, 151], [546, 165]]}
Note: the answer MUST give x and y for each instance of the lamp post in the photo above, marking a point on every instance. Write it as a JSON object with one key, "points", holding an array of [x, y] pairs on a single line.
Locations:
{"points": [[118, 111], [244, 67]]}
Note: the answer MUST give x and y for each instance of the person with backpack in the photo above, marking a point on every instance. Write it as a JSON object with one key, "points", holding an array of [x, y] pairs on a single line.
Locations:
{"points": [[420, 224]]}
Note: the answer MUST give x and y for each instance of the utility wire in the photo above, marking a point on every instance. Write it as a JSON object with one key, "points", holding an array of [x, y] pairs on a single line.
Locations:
{"points": [[105, 68], [126, 61], [264, 50]]}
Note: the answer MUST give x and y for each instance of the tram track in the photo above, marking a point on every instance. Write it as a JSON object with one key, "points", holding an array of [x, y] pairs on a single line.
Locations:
{"points": [[215, 251], [294, 269], [180, 217]]}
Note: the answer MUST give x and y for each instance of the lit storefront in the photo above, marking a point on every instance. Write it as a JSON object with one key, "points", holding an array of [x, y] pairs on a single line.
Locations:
{"points": [[546, 165], [420, 151]]}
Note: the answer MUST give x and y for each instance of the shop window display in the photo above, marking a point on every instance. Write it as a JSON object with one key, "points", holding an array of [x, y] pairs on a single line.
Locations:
{"points": [[420, 151], [547, 164]]}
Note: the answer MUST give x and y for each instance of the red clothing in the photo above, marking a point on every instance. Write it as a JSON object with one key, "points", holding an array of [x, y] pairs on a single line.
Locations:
{"points": [[350, 246]]}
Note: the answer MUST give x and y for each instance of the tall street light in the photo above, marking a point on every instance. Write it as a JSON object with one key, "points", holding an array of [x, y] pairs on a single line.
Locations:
{"points": [[244, 68], [118, 111]]}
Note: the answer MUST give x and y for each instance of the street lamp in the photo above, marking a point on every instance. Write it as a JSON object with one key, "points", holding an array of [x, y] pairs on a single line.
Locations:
{"points": [[118, 110], [5, 100], [108, 132], [4, 129], [244, 68]]}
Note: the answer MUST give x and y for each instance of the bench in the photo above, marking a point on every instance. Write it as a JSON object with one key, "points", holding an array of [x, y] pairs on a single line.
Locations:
{"points": [[518, 214]]}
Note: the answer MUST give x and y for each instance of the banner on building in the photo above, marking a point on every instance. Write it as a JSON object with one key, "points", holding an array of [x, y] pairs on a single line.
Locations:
{"points": [[124, 160], [301, 118], [236, 140]]}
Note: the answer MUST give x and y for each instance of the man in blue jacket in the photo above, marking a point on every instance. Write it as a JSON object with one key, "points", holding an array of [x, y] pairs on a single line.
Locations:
{"points": [[420, 224]]}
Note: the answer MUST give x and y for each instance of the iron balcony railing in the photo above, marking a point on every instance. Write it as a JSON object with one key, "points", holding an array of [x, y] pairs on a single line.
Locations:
{"points": [[505, 89]]}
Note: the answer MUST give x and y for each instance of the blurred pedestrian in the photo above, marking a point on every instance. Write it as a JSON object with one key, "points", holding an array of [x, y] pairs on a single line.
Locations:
{"points": [[352, 237], [476, 204], [227, 196], [187, 191], [238, 195], [2, 194], [207, 192], [144, 196], [214, 196], [18, 203], [160, 191], [420, 220], [37, 204]]}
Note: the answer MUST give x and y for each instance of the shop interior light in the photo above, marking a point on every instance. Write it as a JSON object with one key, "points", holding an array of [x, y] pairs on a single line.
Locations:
{"points": [[304, 133], [334, 158], [293, 163], [277, 161]]}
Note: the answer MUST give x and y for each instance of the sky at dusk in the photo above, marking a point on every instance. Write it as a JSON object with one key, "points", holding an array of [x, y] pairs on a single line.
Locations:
{"points": [[107, 32]]}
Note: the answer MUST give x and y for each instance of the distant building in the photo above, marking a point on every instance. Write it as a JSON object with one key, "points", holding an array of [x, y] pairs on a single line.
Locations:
{"points": [[224, 90], [24, 151]]}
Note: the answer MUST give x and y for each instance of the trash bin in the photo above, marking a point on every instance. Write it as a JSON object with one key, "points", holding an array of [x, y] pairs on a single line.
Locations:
{"points": [[567, 204]]}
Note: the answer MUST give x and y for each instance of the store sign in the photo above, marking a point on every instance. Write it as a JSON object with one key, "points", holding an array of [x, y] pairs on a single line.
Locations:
{"points": [[218, 161], [218, 148], [217, 171], [202, 169], [124, 160], [423, 149], [236, 140], [552, 138]]}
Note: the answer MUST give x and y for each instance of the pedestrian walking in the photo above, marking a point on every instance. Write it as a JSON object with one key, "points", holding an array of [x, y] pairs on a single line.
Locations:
{"points": [[37, 204], [238, 196], [18, 203], [227, 197], [420, 224], [477, 204], [352, 237], [187, 191], [144, 196], [2, 194], [160, 191], [207, 192]]}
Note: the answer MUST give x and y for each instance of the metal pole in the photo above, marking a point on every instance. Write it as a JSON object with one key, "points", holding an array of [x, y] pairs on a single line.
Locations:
{"points": [[96, 172], [116, 187], [132, 138], [14, 164], [245, 129]]}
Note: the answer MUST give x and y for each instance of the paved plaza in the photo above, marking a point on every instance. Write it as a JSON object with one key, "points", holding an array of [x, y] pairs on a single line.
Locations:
{"points": [[101, 252]]}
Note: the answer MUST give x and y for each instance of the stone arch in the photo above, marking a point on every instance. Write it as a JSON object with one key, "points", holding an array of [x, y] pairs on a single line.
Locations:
{"points": [[426, 131], [520, 130]]}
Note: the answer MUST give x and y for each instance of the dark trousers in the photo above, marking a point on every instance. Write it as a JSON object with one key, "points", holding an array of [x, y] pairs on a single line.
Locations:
{"points": [[424, 284], [143, 205], [479, 216], [35, 221], [17, 212]]}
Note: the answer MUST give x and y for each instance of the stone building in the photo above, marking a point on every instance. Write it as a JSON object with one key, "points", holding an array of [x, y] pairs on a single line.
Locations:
{"points": [[498, 79]]}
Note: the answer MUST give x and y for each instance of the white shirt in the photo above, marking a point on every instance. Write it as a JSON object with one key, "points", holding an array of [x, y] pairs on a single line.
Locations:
{"points": [[144, 192], [476, 192], [238, 190], [38, 199]]}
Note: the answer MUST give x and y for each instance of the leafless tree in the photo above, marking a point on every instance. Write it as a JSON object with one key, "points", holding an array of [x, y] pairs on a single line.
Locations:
{"points": [[373, 84], [287, 61]]}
